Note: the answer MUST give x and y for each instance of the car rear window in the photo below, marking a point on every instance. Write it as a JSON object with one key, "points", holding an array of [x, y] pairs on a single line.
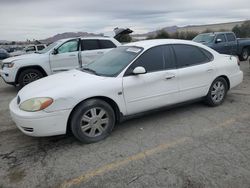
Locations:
{"points": [[106, 44], [90, 44], [40, 47], [230, 37]]}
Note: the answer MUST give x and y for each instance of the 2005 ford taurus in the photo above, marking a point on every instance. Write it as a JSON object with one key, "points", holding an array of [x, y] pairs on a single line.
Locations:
{"points": [[129, 80]]}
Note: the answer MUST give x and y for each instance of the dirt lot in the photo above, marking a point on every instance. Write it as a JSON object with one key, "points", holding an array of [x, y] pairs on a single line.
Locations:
{"points": [[189, 146]]}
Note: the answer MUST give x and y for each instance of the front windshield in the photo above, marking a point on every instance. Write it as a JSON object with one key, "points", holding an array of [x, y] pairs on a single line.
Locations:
{"points": [[113, 62], [204, 38], [45, 50]]}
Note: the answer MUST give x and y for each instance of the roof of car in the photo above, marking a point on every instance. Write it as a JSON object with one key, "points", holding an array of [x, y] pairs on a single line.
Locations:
{"points": [[93, 37], [146, 44], [218, 32]]}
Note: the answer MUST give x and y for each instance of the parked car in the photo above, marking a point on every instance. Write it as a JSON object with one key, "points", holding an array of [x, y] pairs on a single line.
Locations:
{"points": [[28, 50], [128, 80], [3, 54], [60, 56], [226, 43]]}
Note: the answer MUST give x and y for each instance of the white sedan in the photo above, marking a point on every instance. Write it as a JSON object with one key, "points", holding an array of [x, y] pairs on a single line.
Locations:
{"points": [[129, 80]]}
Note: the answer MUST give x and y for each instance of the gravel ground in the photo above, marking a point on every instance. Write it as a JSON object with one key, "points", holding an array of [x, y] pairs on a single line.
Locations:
{"points": [[189, 146]]}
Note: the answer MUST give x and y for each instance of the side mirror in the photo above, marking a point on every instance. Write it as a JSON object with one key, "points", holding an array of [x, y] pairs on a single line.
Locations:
{"points": [[218, 41], [139, 70], [55, 51]]}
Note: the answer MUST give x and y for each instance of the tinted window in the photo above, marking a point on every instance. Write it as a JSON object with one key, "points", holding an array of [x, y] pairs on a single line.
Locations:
{"points": [[188, 55], [30, 49], [230, 37], [151, 60], [70, 46], [90, 44], [106, 44], [208, 54], [169, 58], [40, 48], [222, 37]]}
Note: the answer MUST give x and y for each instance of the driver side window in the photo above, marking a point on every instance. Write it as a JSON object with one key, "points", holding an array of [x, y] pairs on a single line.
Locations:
{"points": [[152, 60], [222, 37], [70, 46]]}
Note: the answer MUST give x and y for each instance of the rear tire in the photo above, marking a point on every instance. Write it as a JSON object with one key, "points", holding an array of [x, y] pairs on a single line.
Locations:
{"points": [[27, 76], [244, 54], [217, 92], [92, 121]]}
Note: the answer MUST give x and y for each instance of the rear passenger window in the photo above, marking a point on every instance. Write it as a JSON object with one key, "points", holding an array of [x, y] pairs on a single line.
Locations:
{"points": [[230, 37], [90, 44], [151, 60], [188, 55], [169, 57], [106, 44], [208, 54], [40, 47]]}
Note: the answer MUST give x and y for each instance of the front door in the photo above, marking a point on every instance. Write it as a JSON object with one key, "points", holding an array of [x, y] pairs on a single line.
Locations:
{"points": [[156, 88], [221, 45], [66, 57]]}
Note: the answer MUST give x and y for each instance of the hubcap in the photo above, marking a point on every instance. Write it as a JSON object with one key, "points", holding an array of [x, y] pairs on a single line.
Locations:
{"points": [[245, 54], [218, 92], [94, 122], [30, 77]]}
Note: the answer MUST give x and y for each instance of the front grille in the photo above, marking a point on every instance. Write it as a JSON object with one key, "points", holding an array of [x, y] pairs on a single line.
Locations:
{"points": [[18, 100], [28, 129]]}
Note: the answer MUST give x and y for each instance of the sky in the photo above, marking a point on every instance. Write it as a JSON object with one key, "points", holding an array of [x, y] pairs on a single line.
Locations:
{"points": [[40, 19]]}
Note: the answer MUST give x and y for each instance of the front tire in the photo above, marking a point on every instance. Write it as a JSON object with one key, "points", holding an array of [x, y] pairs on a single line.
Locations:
{"points": [[27, 76], [217, 92], [92, 121]]}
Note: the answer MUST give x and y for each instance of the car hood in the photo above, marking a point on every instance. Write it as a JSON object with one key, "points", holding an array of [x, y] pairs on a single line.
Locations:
{"points": [[20, 57], [59, 85]]}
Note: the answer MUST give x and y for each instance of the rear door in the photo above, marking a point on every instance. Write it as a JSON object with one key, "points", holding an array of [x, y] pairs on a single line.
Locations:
{"points": [[232, 44], [195, 71], [94, 48], [156, 88], [66, 58]]}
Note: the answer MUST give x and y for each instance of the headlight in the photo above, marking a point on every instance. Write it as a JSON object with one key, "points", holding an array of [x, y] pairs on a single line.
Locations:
{"points": [[36, 104], [8, 65]]}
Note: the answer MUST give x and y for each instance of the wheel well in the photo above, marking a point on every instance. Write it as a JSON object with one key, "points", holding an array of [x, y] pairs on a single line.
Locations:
{"points": [[111, 102], [227, 80], [30, 67]]}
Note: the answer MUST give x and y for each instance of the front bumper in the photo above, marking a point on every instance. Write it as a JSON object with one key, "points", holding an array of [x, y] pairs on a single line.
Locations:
{"points": [[8, 75], [40, 123]]}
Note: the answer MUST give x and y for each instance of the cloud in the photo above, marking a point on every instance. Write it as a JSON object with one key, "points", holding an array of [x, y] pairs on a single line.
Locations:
{"points": [[22, 19]]}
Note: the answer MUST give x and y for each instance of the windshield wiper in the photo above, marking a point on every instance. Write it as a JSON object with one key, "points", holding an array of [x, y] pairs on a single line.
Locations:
{"points": [[90, 70]]}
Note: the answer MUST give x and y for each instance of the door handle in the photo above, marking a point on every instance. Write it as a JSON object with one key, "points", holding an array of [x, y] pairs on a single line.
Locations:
{"points": [[100, 52], [169, 77], [72, 55], [210, 70]]}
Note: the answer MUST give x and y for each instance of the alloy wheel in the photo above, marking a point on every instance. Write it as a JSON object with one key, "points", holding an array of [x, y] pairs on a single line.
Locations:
{"points": [[94, 122], [30, 77], [218, 92]]}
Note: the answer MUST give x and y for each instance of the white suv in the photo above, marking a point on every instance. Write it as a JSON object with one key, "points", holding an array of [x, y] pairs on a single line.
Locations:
{"points": [[60, 56]]}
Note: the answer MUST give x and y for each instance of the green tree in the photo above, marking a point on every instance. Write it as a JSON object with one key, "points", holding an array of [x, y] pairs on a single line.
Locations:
{"points": [[242, 31], [162, 35]]}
